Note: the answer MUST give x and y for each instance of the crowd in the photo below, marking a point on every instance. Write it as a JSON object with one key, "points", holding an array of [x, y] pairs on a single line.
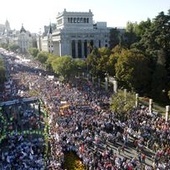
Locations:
{"points": [[22, 142], [79, 123], [94, 133]]}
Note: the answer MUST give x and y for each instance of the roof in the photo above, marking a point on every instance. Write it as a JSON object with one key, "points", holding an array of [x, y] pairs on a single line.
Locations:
{"points": [[22, 29]]}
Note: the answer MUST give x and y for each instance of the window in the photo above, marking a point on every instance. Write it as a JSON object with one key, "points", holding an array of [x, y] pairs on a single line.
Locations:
{"points": [[84, 20], [75, 20]]}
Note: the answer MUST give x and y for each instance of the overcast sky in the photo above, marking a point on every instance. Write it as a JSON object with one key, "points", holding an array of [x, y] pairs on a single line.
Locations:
{"points": [[34, 14]]}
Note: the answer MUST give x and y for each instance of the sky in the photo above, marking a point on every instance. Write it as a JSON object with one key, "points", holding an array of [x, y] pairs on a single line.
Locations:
{"points": [[34, 14]]}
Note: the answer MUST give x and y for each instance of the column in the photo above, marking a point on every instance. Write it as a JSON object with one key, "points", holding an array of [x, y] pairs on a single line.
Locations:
{"points": [[60, 48], [76, 48], [82, 48], [150, 106], [88, 47], [106, 82], [114, 86], [136, 100], [167, 113]]}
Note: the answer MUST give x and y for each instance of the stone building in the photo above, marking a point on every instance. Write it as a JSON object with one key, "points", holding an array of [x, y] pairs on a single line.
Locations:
{"points": [[76, 34], [24, 40]]}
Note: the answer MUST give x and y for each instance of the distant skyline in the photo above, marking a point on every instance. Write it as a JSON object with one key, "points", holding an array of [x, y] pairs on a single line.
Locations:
{"points": [[35, 14]]}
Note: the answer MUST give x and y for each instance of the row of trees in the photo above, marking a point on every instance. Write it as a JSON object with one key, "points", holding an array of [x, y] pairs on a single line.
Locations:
{"points": [[65, 67], [139, 58]]}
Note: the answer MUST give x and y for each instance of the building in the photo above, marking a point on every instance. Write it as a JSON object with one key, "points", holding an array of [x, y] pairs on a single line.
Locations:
{"points": [[24, 40], [76, 34]]}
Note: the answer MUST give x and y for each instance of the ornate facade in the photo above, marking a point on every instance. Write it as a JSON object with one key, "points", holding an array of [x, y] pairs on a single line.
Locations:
{"points": [[24, 40], [76, 34]]}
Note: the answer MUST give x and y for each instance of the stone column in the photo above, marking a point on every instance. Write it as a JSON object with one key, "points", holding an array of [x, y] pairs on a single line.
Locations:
{"points": [[114, 86], [106, 83], [60, 48], [136, 100], [150, 105], [76, 48], [82, 48], [167, 113], [125, 94], [88, 47]]}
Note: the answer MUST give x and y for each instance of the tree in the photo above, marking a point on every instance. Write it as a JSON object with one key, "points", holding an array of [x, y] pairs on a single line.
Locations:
{"points": [[114, 55], [92, 61], [80, 65], [155, 43], [34, 52], [50, 59], [2, 74], [42, 57], [4, 45], [14, 47], [132, 70], [64, 66], [114, 37], [142, 27], [122, 103], [159, 79], [130, 36]]}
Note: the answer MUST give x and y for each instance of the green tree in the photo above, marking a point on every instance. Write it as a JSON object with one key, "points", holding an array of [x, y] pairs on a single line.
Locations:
{"points": [[122, 103], [4, 45], [155, 43], [114, 55], [114, 37], [64, 66], [48, 63], [42, 57], [129, 36], [92, 61], [34, 52], [14, 47], [2, 74], [80, 65], [159, 79], [142, 27], [132, 70]]}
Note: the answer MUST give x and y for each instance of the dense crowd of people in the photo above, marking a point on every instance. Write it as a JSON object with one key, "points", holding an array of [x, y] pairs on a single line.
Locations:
{"points": [[22, 142], [81, 121]]}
